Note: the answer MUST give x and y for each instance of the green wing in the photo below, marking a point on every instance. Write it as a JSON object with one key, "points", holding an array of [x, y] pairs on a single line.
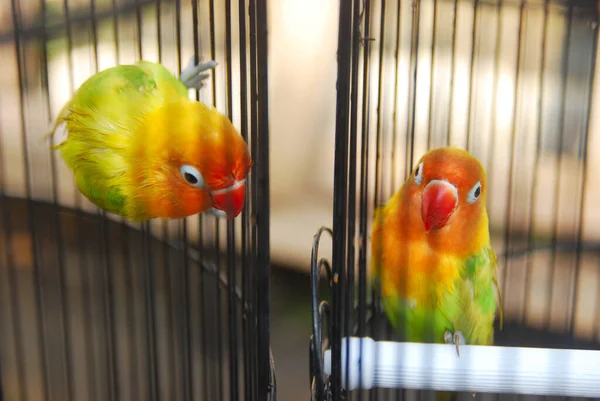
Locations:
{"points": [[101, 118], [470, 307]]}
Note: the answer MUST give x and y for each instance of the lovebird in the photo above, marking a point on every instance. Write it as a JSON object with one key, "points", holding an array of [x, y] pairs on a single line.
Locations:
{"points": [[139, 147], [431, 254]]}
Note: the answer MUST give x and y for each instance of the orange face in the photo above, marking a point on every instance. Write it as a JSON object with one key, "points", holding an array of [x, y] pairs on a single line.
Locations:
{"points": [[447, 190], [196, 161]]}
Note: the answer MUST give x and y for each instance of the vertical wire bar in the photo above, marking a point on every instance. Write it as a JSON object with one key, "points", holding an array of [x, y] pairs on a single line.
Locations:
{"points": [[128, 266], [219, 371], [414, 56], [187, 374], [395, 86], [159, 31], [563, 85], [196, 40], [85, 276], [499, 13], [178, 37], [364, 186], [146, 272], [231, 255], [109, 308], [57, 225], [13, 292], [108, 316], [378, 123], [3, 266], [452, 69], [172, 389], [200, 243], [246, 268], [218, 310], [138, 27], [376, 290], [150, 309], [232, 312], [149, 270], [351, 207], [412, 96], [431, 76], [1, 387], [388, 328], [584, 154], [340, 191], [263, 218], [472, 71], [596, 322], [202, 306], [513, 134], [253, 278], [186, 360], [412, 102], [30, 221], [536, 167], [115, 18], [168, 295]]}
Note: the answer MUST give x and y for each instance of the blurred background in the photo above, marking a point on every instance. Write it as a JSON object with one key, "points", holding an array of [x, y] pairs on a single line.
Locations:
{"points": [[512, 84]]}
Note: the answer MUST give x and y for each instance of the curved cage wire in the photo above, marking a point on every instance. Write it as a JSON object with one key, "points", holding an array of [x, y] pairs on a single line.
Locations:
{"points": [[94, 307], [513, 82]]}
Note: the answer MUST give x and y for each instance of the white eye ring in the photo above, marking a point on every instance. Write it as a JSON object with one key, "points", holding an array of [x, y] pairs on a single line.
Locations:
{"points": [[191, 176], [474, 193], [419, 174]]}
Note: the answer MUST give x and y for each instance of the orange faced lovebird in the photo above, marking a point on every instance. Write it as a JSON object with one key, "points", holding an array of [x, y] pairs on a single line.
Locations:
{"points": [[431, 253], [139, 147]]}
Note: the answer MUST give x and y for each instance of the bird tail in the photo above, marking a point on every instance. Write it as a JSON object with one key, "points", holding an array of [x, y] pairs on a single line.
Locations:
{"points": [[59, 120]]}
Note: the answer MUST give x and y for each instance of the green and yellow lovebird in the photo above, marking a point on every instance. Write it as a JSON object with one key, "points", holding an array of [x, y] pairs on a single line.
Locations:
{"points": [[139, 147], [432, 257]]}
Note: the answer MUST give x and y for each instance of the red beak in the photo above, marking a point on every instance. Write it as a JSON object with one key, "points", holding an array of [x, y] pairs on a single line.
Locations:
{"points": [[438, 202], [230, 200]]}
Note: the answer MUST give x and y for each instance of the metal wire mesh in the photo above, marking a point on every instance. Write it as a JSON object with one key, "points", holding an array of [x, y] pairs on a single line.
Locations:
{"points": [[510, 81], [94, 307]]}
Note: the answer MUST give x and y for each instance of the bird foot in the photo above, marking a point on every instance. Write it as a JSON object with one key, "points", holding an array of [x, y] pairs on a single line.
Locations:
{"points": [[192, 76], [457, 339]]}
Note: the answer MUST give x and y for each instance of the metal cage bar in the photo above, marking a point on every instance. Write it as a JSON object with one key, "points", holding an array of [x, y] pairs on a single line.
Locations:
{"points": [[498, 78], [96, 308]]}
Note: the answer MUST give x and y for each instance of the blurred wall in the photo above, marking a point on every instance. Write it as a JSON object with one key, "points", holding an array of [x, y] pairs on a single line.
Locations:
{"points": [[303, 45]]}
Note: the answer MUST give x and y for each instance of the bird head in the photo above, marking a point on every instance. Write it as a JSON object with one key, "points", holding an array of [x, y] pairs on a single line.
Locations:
{"points": [[198, 162], [448, 189]]}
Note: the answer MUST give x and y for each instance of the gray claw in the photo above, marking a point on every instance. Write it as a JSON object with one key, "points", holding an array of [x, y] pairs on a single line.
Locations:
{"points": [[457, 339], [192, 75]]}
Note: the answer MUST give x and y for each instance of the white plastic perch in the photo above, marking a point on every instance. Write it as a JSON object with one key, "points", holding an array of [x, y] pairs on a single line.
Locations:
{"points": [[541, 371]]}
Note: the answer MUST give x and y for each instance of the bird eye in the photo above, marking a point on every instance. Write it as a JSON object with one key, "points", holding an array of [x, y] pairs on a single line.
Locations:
{"points": [[474, 193], [191, 176], [419, 174]]}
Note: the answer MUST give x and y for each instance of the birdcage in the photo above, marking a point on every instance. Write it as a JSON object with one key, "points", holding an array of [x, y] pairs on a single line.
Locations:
{"points": [[513, 83], [94, 307]]}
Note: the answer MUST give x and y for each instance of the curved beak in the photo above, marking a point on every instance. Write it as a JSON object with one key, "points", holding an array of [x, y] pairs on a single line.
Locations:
{"points": [[230, 200], [438, 202]]}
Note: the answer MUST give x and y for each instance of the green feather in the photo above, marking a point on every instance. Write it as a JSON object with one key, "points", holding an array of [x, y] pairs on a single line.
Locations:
{"points": [[101, 118], [470, 307]]}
